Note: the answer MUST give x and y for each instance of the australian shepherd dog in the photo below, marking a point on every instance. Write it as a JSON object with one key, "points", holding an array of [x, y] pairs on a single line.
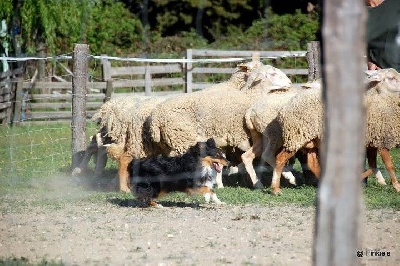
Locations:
{"points": [[193, 172]]}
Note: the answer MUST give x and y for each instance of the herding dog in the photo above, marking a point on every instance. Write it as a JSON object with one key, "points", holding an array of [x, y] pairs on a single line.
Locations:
{"points": [[193, 172]]}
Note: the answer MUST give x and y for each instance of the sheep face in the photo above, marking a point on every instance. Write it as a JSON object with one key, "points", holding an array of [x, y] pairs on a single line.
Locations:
{"points": [[277, 77], [383, 80]]}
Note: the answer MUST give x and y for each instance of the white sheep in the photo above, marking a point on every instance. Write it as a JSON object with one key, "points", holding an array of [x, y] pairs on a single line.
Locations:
{"points": [[261, 121], [301, 120], [383, 122]]}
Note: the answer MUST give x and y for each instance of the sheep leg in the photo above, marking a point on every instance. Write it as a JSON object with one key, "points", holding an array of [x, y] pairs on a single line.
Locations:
{"points": [[247, 159], [123, 172], [313, 162], [387, 160], [372, 166], [281, 159]]}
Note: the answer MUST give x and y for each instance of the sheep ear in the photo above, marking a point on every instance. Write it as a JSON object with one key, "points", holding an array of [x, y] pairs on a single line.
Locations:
{"points": [[373, 75]]}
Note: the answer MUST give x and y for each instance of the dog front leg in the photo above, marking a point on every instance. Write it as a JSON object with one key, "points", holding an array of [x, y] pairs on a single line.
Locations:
{"points": [[209, 194]]}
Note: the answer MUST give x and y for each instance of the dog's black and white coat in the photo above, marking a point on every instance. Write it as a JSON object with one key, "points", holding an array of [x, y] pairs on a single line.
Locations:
{"points": [[193, 172]]}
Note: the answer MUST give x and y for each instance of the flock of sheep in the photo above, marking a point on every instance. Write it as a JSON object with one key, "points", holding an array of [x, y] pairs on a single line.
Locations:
{"points": [[257, 113]]}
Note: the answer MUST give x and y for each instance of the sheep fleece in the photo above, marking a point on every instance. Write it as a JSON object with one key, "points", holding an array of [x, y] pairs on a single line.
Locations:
{"points": [[184, 120], [383, 120], [301, 119]]}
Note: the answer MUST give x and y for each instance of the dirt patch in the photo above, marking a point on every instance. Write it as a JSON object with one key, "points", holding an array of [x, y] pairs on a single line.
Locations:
{"points": [[116, 232]]}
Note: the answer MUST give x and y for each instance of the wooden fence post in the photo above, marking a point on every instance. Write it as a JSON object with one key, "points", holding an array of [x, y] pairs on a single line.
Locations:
{"points": [[189, 73], [79, 93], [255, 57], [313, 58], [343, 150], [106, 69], [147, 80], [109, 90], [18, 101]]}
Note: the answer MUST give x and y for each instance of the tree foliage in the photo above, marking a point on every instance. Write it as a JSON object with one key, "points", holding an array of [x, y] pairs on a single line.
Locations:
{"points": [[165, 27], [113, 30], [106, 25]]}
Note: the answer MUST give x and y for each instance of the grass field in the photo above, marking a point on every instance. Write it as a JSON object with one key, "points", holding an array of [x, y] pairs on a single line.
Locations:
{"points": [[39, 153]]}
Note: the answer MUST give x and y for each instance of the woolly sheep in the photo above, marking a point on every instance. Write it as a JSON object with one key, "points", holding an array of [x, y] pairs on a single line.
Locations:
{"points": [[302, 124], [261, 120], [130, 137], [122, 121], [107, 120], [383, 123]]}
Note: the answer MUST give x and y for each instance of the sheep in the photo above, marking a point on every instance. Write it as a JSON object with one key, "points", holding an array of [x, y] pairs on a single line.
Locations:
{"points": [[301, 120], [129, 136], [110, 126], [180, 122], [260, 118], [383, 124]]}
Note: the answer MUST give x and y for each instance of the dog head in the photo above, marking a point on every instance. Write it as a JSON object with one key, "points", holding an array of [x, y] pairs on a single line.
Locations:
{"points": [[212, 161]]}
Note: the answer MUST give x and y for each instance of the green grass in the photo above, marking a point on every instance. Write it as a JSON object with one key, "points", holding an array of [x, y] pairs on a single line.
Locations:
{"points": [[36, 159]]}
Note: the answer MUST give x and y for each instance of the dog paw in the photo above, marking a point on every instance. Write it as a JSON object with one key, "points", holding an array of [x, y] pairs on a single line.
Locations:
{"points": [[220, 186], [258, 185]]}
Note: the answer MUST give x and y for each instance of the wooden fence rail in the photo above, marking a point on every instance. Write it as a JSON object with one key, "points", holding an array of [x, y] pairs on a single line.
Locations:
{"points": [[52, 101]]}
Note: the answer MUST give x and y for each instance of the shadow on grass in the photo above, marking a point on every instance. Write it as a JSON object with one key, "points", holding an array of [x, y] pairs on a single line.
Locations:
{"points": [[133, 203]]}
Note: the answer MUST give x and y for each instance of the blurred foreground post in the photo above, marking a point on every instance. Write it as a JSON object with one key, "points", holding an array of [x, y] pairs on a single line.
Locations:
{"points": [[338, 209], [79, 94]]}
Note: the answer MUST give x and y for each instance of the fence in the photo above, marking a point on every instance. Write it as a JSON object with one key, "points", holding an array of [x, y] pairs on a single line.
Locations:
{"points": [[52, 101], [9, 93]]}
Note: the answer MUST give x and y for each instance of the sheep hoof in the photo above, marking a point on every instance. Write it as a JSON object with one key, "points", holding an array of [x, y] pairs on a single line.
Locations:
{"points": [[382, 182], [397, 187], [125, 189], [276, 191]]}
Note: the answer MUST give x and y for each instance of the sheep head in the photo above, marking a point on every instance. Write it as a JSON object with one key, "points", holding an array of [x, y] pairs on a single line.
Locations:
{"points": [[267, 77], [242, 72], [383, 80]]}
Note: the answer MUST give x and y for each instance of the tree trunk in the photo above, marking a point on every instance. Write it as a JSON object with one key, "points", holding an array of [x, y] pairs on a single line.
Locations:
{"points": [[338, 208]]}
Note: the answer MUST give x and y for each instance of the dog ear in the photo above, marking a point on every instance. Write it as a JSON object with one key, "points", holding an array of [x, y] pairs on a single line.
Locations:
{"points": [[200, 148], [211, 143]]}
